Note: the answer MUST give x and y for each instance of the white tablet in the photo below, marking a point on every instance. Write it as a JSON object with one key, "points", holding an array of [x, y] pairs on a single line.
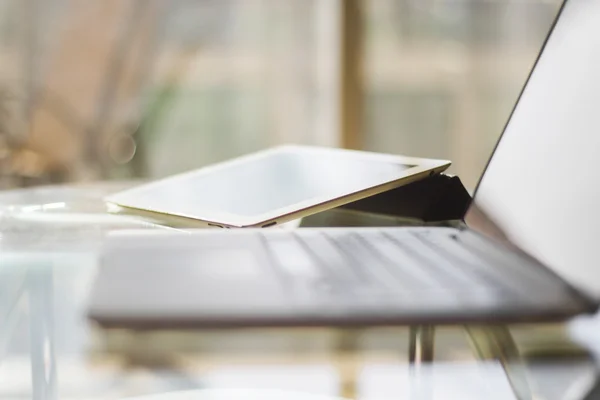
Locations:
{"points": [[276, 185]]}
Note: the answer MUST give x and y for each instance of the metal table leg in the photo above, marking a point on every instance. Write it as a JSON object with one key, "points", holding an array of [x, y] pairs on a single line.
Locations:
{"points": [[43, 358], [421, 344], [496, 342], [420, 351]]}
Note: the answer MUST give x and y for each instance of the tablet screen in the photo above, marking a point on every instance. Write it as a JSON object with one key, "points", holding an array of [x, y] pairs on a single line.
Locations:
{"points": [[259, 185]]}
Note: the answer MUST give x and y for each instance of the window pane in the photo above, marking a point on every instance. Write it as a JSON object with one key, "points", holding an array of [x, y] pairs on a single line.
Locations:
{"points": [[442, 76]]}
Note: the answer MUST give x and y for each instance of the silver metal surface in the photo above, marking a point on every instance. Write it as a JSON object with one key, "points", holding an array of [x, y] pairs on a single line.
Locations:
{"points": [[496, 342], [421, 344]]}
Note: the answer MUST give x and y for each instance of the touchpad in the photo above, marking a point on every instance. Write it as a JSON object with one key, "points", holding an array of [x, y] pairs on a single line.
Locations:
{"points": [[223, 264], [192, 276]]}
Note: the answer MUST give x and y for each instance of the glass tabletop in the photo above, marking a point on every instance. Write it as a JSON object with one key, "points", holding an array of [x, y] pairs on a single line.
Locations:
{"points": [[49, 244]]}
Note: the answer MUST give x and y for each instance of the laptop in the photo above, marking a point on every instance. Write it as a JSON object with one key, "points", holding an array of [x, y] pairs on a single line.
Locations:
{"points": [[527, 250]]}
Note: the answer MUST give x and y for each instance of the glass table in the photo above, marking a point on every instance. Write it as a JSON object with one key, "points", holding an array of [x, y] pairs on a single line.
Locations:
{"points": [[49, 243]]}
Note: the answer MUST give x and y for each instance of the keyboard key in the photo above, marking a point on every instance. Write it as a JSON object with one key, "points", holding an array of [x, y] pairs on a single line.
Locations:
{"points": [[436, 267]]}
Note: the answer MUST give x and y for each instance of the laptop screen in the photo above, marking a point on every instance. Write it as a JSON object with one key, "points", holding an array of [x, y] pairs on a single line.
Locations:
{"points": [[541, 189]]}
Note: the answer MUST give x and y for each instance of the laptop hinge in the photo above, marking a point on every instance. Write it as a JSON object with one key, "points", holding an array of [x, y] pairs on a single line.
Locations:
{"points": [[434, 199]]}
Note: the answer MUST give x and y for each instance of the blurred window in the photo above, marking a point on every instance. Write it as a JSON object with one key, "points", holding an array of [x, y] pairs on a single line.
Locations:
{"points": [[147, 88]]}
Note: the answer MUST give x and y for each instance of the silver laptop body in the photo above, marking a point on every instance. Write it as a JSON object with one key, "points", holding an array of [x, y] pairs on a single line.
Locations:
{"points": [[528, 250]]}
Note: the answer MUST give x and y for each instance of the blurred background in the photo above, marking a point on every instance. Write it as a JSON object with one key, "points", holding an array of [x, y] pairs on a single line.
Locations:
{"points": [[128, 89]]}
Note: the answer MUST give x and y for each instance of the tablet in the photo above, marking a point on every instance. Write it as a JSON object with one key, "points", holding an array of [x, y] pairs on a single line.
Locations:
{"points": [[275, 185]]}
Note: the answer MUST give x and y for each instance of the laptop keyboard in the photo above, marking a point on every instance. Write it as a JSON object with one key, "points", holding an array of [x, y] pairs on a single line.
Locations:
{"points": [[393, 263]]}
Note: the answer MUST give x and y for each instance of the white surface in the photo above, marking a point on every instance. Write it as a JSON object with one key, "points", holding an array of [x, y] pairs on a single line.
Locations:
{"points": [[320, 381], [235, 394], [440, 381]]}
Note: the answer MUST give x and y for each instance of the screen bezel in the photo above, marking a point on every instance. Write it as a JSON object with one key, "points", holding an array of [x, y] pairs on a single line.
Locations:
{"points": [[421, 167]]}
